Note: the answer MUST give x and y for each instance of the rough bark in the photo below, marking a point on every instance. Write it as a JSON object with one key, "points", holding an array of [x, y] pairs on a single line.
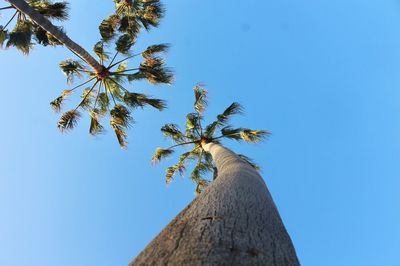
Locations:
{"points": [[233, 222], [44, 23]]}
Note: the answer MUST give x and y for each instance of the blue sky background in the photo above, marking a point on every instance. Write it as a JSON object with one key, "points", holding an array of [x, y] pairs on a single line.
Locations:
{"points": [[323, 76]]}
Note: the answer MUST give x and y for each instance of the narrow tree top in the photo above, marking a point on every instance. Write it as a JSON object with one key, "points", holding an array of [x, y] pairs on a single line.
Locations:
{"points": [[196, 135]]}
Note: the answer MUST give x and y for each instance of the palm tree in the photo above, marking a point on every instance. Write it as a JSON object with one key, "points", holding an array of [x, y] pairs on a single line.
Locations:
{"points": [[105, 83], [26, 30], [233, 220]]}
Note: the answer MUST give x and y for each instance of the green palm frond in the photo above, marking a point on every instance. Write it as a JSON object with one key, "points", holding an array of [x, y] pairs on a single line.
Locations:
{"points": [[124, 44], [68, 120], [57, 10], [160, 154], [3, 36], [197, 136], [135, 100], [253, 136], [21, 36], [121, 116], [95, 126], [108, 27], [250, 161], [172, 131], [154, 49], [154, 71], [45, 38], [99, 51], [130, 26], [71, 68], [200, 96], [120, 120]]}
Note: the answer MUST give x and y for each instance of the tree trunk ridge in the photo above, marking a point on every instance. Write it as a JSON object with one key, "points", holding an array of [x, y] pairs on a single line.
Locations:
{"points": [[233, 222], [44, 23]]}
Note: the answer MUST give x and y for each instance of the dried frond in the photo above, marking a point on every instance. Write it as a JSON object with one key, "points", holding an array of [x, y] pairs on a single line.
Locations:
{"points": [[160, 154], [200, 95], [68, 120], [170, 172], [56, 105], [153, 49], [172, 131]]}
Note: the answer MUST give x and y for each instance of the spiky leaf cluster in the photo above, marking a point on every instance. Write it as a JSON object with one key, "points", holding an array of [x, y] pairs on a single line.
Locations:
{"points": [[196, 135], [25, 32], [129, 17], [105, 93]]}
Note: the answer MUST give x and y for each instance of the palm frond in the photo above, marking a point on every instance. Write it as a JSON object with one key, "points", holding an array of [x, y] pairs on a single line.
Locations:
{"points": [[68, 120], [71, 68], [3, 36], [154, 49], [233, 109], [130, 26], [120, 120], [57, 10], [108, 27], [56, 105], [104, 103], [135, 100], [200, 95], [160, 154], [253, 136], [154, 71], [99, 51], [231, 133], [250, 161], [124, 43], [20, 37], [95, 126], [121, 116], [172, 131]]}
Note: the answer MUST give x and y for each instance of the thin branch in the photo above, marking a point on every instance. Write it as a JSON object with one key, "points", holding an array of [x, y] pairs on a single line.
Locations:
{"points": [[115, 56], [119, 62], [7, 7], [131, 69], [97, 97], [107, 89], [84, 83], [183, 143], [94, 85], [10, 19], [119, 85]]}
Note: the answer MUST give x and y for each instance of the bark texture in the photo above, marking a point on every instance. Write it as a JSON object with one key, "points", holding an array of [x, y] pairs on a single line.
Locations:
{"points": [[233, 222], [44, 23]]}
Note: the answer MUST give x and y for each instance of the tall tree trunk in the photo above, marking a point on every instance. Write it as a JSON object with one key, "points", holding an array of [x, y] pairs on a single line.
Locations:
{"points": [[44, 23], [233, 222]]}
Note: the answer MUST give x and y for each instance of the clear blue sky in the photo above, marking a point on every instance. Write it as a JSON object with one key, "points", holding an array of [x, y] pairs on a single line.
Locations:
{"points": [[323, 76]]}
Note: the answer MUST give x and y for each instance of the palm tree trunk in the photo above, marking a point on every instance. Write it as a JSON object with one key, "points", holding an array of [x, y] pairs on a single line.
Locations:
{"points": [[44, 23], [233, 222]]}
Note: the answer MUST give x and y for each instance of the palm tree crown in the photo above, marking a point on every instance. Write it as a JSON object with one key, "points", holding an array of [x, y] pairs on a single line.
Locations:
{"points": [[197, 135], [108, 88], [25, 31]]}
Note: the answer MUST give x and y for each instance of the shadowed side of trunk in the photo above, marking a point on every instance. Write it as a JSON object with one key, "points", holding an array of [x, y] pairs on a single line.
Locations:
{"points": [[44, 23], [233, 222]]}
